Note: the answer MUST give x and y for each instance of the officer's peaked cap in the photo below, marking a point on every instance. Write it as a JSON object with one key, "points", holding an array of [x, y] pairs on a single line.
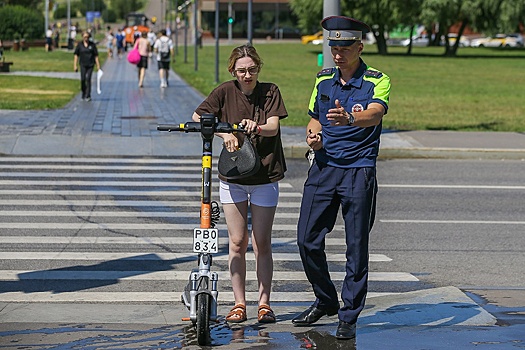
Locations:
{"points": [[344, 31]]}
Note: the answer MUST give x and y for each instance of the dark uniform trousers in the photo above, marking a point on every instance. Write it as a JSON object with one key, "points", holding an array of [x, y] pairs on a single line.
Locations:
{"points": [[85, 80], [325, 191]]}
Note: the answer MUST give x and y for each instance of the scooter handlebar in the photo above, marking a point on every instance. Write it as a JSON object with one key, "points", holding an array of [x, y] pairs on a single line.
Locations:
{"points": [[196, 127]]}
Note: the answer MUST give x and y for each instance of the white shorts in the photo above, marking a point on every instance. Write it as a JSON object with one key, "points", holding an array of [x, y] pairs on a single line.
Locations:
{"points": [[266, 195]]}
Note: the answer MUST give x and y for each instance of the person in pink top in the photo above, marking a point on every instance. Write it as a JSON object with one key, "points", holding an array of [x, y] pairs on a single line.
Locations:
{"points": [[144, 48]]}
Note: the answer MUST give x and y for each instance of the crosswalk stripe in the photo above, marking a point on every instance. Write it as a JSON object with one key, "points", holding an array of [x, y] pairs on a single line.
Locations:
{"points": [[95, 256], [155, 240], [172, 275], [123, 226], [455, 222], [120, 203], [83, 175], [104, 160], [145, 297], [159, 168], [20, 182], [100, 192], [132, 214]]}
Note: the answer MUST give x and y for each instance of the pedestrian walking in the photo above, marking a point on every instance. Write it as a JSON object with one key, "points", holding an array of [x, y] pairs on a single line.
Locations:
{"points": [[346, 108], [86, 54], [164, 48], [258, 107], [143, 46], [49, 39]]}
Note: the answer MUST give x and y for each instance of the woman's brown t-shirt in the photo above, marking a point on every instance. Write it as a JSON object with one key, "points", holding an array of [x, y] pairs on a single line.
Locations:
{"points": [[230, 105]]}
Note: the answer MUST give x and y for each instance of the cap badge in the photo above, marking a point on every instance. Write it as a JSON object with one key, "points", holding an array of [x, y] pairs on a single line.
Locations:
{"points": [[337, 35]]}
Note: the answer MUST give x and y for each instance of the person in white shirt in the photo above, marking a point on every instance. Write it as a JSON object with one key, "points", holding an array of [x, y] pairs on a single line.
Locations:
{"points": [[164, 49]]}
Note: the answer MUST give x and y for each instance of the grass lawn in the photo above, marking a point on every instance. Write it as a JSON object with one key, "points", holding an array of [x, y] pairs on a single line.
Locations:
{"points": [[481, 89], [27, 93]]}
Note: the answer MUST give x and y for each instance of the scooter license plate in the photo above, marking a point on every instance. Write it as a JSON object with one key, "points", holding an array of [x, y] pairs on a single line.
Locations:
{"points": [[205, 240]]}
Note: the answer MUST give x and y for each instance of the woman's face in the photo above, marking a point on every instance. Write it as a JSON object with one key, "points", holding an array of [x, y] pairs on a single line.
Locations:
{"points": [[246, 72], [85, 37]]}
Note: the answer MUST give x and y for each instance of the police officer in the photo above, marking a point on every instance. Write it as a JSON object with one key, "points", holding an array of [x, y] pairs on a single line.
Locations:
{"points": [[346, 108]]}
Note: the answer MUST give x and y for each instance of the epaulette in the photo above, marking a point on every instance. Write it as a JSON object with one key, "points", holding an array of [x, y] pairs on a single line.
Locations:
{"points": [[325, 72], [373, 73]]}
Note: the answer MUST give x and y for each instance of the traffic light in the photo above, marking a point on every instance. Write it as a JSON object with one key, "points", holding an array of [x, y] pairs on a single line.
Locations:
{"points": [[231, 20]]}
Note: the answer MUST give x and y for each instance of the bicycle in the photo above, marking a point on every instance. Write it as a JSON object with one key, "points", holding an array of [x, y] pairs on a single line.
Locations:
{"points": [[199, 298]]}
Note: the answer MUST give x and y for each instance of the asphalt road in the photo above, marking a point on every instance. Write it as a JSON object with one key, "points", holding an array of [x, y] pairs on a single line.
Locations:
{"points": [[450, 222], [447, 222]]}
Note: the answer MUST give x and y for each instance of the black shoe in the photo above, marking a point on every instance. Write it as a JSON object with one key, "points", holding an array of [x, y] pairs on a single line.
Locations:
{"points": [[312, 315], [345, 330]]}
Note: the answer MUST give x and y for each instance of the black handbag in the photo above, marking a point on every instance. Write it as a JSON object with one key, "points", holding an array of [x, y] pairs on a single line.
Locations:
{"points": [[241, 163]]}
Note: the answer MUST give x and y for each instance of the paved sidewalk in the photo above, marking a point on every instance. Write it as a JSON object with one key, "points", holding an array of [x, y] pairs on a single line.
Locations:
{"points": [[123, 120]]}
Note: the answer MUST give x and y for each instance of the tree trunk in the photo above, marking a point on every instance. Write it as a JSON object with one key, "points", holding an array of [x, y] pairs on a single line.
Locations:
{"points": [[382, 48], [451, 51]]}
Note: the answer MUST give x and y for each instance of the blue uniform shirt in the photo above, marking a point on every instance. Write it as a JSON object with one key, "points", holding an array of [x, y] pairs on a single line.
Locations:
{"points": [[349, 146]]}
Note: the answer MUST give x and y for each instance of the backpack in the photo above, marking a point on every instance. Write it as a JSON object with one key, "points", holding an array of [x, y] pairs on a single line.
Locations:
{"points": [[164, 50]]}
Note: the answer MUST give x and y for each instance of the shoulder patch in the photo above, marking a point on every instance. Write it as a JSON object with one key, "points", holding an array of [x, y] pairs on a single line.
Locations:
{"points": [[373, 73], [325, 72]]}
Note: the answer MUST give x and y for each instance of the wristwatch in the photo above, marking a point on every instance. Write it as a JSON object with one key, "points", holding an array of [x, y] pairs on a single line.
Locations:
{"points": [[351, 118]]}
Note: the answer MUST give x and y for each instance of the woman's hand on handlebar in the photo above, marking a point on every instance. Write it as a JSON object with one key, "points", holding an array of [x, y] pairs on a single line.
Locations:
{"points": [[230, 142], [249, 126]]}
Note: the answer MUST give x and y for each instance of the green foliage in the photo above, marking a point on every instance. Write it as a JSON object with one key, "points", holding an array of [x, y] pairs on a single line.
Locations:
{"points": [[23, 3], [60, 12], [92, 5], [123, 7], [109, 16], [18, 22], [309, 13]]}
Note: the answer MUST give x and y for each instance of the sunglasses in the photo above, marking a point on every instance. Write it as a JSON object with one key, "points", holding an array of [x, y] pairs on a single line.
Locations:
{"points": [[252, 70]]}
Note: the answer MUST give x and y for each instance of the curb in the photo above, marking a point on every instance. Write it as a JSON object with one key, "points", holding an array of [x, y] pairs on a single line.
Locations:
{"points": [[429, 153]]}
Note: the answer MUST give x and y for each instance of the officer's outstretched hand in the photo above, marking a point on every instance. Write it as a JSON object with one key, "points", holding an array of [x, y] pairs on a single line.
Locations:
{"points": [[337, 116]]}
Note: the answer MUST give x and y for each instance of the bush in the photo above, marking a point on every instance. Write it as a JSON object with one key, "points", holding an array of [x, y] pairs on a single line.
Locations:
{"points": [[60, 12], [109, 16], [20, 22]]}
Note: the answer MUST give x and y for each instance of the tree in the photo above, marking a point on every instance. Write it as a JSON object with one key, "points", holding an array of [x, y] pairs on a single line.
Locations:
{"points": [[123, 7], [309, 13], [380, 14], [19, 22]]}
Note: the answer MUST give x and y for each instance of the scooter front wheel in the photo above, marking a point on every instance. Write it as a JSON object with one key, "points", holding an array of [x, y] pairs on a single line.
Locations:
{"points": [[203, 318]]}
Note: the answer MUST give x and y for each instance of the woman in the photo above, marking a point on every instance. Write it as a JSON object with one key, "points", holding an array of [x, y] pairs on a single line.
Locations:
{"points": [[258, 107], [143, 46], [87, 54]]}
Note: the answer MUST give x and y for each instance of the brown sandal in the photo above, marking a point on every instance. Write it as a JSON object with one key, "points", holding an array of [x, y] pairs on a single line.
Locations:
{"points": [[265, 314], [237, 314]]}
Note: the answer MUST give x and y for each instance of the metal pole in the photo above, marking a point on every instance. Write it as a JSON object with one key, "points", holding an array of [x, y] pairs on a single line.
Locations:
{"points": [[230, 25], [162, 14], [47, 16], [176, 30], [217, 41], [68, 36], [196, 36], [186, 35], [171, 17], [330, 8], [250, 21]]}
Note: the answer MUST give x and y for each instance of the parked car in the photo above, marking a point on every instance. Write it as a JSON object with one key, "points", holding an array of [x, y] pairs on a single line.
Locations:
{"points": [[463, 41], [317, 37], [284, 33], [421, 40], [514, 40], [499, 40]]}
